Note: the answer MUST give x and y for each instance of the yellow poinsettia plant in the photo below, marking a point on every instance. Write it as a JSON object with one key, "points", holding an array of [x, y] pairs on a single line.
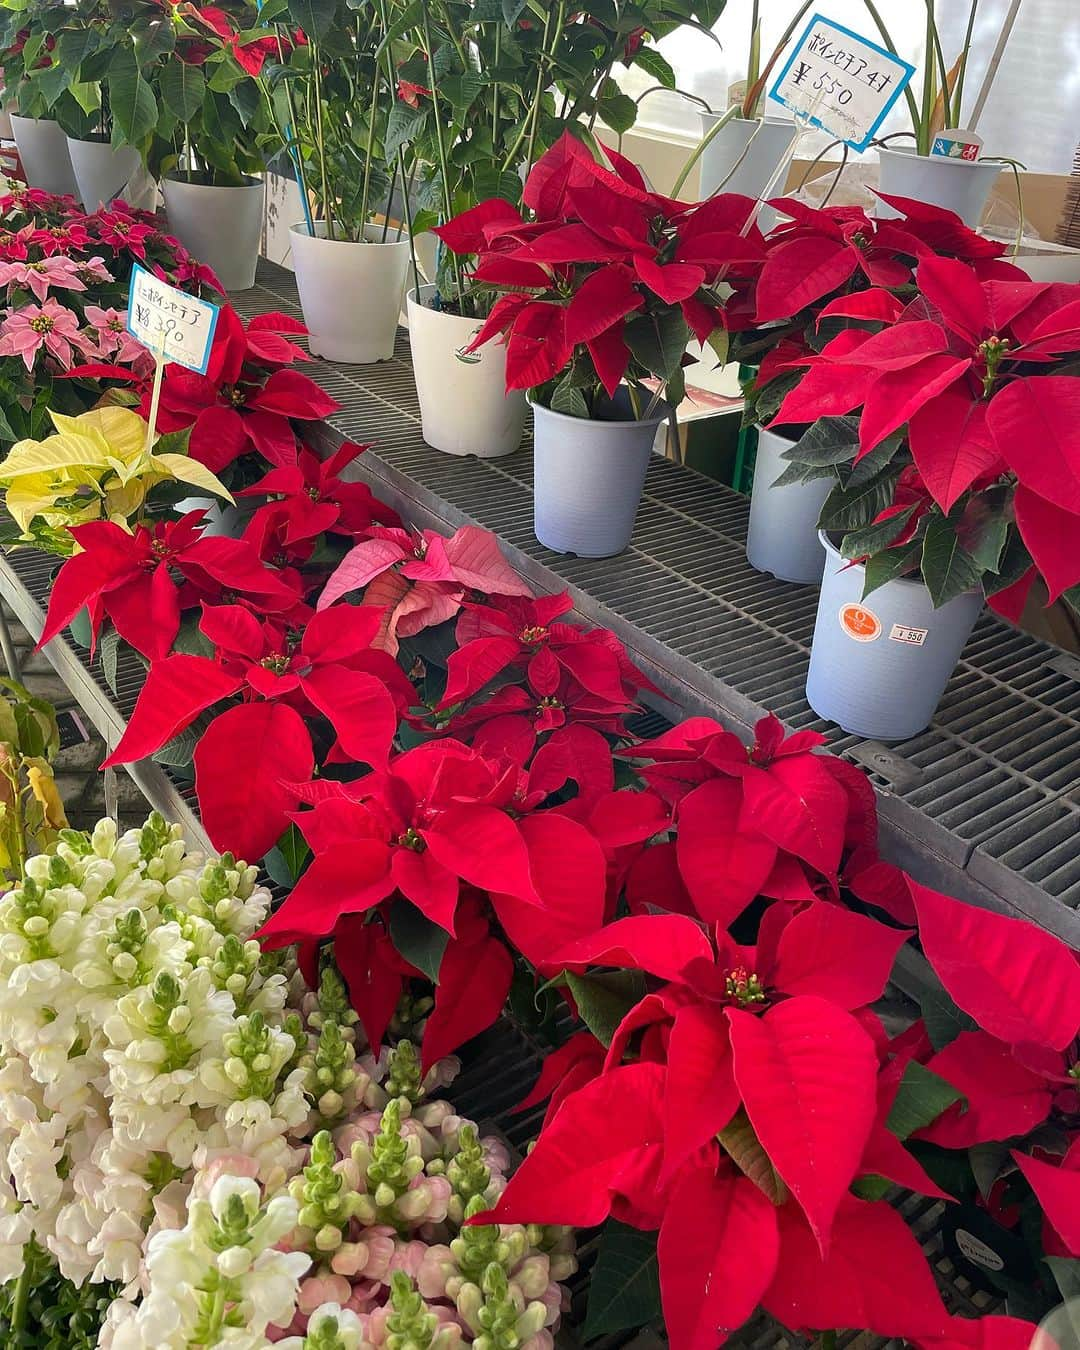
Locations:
{"points": [[100, 465]]}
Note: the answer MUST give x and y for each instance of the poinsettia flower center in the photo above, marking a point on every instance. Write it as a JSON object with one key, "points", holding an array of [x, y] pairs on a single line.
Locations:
{"points": [[548, 705], [234, 395], [993, 351], [313, 493], [42, 324], [411, 840], [278, 662], [534, 634], [420, 551], [35, 267], [743, 987]]}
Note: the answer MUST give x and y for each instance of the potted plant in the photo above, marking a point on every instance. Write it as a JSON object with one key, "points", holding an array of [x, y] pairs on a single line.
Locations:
{"points": [[333, 97], [526, 80], [824, 271], [741, 149], [99, 55], [32, 76], [100, 465], [950, 179], [959, 419], [202, 122], [605, 285]]}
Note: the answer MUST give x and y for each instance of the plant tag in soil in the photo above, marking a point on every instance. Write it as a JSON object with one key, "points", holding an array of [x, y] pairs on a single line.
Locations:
{"points": [[841, 82], [957, 145], [175, 326]]}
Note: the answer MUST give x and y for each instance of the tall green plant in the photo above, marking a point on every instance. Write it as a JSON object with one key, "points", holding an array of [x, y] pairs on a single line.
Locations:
{"points": [[484, 87], [330, 96]]}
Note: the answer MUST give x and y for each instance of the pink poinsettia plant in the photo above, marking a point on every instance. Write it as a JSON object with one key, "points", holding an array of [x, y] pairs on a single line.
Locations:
{"points": [[605, 283], [63, 277]]}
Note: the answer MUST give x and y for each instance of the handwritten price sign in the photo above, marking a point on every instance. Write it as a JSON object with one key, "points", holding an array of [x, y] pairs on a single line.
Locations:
{"points": [[841, 82], [174, 325]]}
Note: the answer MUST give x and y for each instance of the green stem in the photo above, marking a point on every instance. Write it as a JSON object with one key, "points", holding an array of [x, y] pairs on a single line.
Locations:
{"points": [[540, 84], [369, 150], [21, 1299], [913, 107], [495, 92], [753, 60], [754, 93], [328, 210], [943, 70], [542, 57], [440, 141], [965, 52], [389, 203], [699, 149], [923, 129]]}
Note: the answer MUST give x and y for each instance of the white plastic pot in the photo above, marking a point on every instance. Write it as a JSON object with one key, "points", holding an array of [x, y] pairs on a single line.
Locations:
{"points": [[219, 226], [782, 537], [102, 171], [879, 666], [464, 406], [743, 155], [588, 479], [43, 153], [959, 185], [350, 292]]}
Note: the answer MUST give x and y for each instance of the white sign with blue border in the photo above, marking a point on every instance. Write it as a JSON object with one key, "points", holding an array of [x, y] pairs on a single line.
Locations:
{"points": [[841, 82], [175, 326]]}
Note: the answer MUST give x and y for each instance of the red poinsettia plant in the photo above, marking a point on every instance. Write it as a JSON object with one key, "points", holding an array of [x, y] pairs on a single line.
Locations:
{"points": [[959, 419], [241, 412], [835, 267], [605, 283]]}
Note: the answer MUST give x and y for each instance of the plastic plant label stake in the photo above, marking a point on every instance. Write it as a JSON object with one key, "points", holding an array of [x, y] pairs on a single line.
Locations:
{"points": [[957, 145], [175, 326], [852, 80]]}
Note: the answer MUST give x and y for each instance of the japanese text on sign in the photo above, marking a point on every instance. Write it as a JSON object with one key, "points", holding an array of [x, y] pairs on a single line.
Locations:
{"points": [[172, 324], [841, 82]]}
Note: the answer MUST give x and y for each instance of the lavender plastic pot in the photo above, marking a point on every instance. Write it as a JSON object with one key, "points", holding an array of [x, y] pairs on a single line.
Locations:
{"points": [[782, 537], [588, 479], [878, 667]]}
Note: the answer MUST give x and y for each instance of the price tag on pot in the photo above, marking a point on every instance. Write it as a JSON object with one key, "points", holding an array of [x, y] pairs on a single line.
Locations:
{"points": [[175, 326], [841, 82]]}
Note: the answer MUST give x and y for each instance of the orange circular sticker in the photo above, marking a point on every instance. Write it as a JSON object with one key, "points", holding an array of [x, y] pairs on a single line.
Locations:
{"points": [[860, 623]]}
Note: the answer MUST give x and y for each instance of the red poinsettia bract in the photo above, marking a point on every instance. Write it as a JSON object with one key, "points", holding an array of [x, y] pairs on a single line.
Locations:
{"points": [[251, 754], [776, 820], [128, 577]]}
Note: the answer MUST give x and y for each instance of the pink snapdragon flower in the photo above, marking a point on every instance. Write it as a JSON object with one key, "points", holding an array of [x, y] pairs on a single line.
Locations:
{"points": [[49, 325], [39, 277]]}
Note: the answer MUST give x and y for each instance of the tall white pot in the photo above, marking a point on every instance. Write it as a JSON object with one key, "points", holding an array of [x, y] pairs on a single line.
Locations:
{"points": [[464, 406], [43, 153], [219, 226], [782, 537], [350, 292], [588, 479], [959, 185], [101, 170], [743, 155], [879, 666]]}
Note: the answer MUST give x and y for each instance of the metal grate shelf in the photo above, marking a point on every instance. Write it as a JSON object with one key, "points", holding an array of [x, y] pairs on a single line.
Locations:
{"points": [[985, 803]]}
